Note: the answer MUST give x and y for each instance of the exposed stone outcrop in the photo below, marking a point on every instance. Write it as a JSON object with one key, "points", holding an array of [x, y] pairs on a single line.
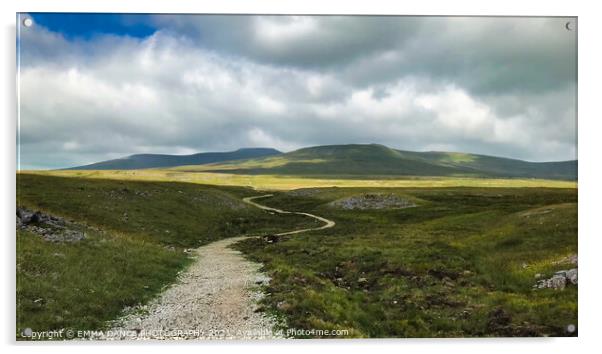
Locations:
{"points": [[50, 228], [559, 280], [373, 201]]}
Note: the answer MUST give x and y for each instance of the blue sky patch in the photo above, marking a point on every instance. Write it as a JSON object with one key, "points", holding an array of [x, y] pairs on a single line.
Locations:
{"points": [[87, 25]]}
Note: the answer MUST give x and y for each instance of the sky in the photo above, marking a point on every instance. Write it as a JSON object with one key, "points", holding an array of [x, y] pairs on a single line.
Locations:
{"points": [[94, 87]]}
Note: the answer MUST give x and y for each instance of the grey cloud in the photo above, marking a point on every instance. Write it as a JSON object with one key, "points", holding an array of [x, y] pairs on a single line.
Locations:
{"points": [[207, 83], [297, 41], [487, 55]]}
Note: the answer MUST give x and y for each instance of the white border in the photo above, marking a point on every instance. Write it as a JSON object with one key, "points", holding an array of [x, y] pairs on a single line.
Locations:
{"points": [[589, 164]]}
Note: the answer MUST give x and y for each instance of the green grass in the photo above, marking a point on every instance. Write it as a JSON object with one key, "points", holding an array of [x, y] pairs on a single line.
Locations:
{"points": [[136, 236], [451, 267], [279, 182], [81, 285], [461, 264], [176, 214]]}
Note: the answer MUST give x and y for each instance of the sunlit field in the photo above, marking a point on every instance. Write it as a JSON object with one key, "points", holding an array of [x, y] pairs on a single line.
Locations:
{"points": [[271, 182]]}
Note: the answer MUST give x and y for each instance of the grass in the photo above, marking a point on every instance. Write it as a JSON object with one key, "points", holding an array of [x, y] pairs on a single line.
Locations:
{"points": [[461, 264], [79, 286], [276, 182], [136, 236]]}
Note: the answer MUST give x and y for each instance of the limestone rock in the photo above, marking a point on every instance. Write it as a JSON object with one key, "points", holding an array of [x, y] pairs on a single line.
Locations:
{"points": [[559, 280]]}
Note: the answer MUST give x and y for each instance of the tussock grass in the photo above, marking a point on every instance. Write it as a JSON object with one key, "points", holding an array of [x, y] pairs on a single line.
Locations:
{"points": [[460, 264]]}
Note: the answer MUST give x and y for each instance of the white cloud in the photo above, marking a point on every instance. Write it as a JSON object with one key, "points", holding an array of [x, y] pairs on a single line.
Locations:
{"points": [[258, 137], [275, 30], [84, 101]]}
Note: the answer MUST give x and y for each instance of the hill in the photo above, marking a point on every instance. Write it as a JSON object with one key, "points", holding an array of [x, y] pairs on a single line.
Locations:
{"points": [[378, 160], [142, 161]]}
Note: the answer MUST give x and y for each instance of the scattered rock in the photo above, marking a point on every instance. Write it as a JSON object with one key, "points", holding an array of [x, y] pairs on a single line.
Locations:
{"points": [[65, 236], [559, 280], [304, 192], [555, 282], [283, 306], [373, 201], [23, 216], [465, 314], [51, 228], [143, 194], [270, 238], [448, 282], [571, 259], [571, 275], [36, 217]]}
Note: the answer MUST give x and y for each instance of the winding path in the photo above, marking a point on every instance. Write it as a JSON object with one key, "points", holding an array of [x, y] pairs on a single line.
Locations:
{"points": [[327, 223], [215, 298]]}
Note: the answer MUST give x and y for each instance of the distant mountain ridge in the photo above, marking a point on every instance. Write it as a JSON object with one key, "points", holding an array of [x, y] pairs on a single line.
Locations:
{"points": [[379, 160], [144, 161], [347, 161]]}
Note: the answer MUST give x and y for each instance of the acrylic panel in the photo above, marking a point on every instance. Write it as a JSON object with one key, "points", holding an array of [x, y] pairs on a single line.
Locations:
{"points": [[283, 177]]}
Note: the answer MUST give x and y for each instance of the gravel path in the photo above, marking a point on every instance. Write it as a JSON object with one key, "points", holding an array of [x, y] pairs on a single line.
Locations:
{"points": [[215, 298], [327, 223]]}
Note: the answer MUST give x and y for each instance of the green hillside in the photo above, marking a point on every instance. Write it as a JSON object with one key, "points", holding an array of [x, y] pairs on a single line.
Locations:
{"points": [[143, 161], [378, 160]]}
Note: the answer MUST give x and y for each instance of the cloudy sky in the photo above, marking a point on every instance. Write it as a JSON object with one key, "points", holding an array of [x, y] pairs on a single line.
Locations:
{"points": [[95, 87]]}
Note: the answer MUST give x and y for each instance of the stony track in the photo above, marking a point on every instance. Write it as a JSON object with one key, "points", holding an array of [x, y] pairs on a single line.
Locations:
{"points": [[215, 298]]}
